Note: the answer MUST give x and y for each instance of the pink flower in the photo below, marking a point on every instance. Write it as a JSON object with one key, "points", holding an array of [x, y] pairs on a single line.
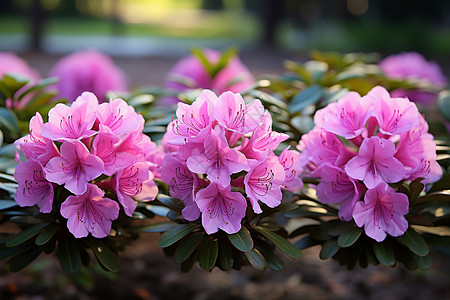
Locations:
{"points": [[89, 212], [105, 147], [33, 187], [71, 123], [263, 182], [181, 182], [411, 65], [232, 113], [134, 181], [319, 147], [34, 145], [221, 208], [193, 121], [290, 160], [382, 212], [394, 115], [74, 168], [375, 163], [346, 117], [87, 71], [263, 140], [120, 117], [336, 187], [190, 73], [217, 160]]}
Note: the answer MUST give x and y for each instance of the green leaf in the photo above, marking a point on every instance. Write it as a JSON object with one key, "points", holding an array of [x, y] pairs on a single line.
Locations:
{"points": [[424, 262], [170, 202], [256, 259], [384, 251], [157, 227], [11, 83], [8, 121], [279, 241], [273, 261], [208, 254], [444, 104], [5, 204], [304, 98], [10, 251], [20, 261], [317, 69], [175, 234], [68, 254], [349, 236], [225, 260], [306, 242], [415, 188], [187, 265], [414, 242], [187, 246], [41, 84], [267, 98], [224, 60], [25, 234], [104, 254], [439, 230], [299, 69], [242, 240], [200, 54], [329, 248], [46, 235]]}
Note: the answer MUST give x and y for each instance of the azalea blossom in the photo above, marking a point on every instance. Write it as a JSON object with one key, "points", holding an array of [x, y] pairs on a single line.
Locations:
{"points": [[290, 160], [119, 117], [71, 123], [33, 188], [382, 212], [90, 212], [375, 163], [263, 183], [74, 168], [221, 208]]}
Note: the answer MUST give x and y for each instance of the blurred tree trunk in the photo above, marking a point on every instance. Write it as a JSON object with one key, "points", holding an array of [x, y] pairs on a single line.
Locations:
{"points": [[36, 23]]}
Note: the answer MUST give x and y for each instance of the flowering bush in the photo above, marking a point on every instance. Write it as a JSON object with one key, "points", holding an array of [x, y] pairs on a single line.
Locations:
{"points": [[88, 71], [361, 145]]}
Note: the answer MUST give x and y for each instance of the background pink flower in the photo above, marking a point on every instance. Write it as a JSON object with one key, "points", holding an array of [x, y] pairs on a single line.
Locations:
{"points": [[412, 65], [88, 71]]}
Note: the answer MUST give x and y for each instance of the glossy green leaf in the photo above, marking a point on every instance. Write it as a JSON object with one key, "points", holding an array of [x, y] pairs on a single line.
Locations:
{"points": [[256, 259], [444, 104], [20, 261], [384, 251], [225, 260], [46, 235], [415, 188], [187, 265], [225, 58], [414, 242], [242, 240], [306, 242], [200, 54], [5, 204], [9, 122], [329, 249], [187, 246], [157, 227], [175, 234], [69, 255], [41, 84], [25, 234], [208, 254], [273, 261], [349, 237], [170, 202], [267, 98], [10, 251], [279, 241], [104, 254], [424, 262], [11, 83], [304, 98]]}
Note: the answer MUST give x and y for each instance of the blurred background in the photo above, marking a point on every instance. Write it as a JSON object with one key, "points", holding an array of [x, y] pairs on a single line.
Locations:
{"points": [[145, 39], [260, 29]]}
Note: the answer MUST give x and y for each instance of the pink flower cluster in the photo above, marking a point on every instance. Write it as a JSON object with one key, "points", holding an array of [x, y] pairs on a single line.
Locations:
{"points": [[89, 148], [190, 73], [412, 65], [219, 148], [362, 144]]}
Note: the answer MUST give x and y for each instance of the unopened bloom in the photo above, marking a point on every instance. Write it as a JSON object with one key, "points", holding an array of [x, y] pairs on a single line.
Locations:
{"points": [[382, 212], [88, 71], [33, 187], [74, 168], [90, 212], [221, 208]]}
